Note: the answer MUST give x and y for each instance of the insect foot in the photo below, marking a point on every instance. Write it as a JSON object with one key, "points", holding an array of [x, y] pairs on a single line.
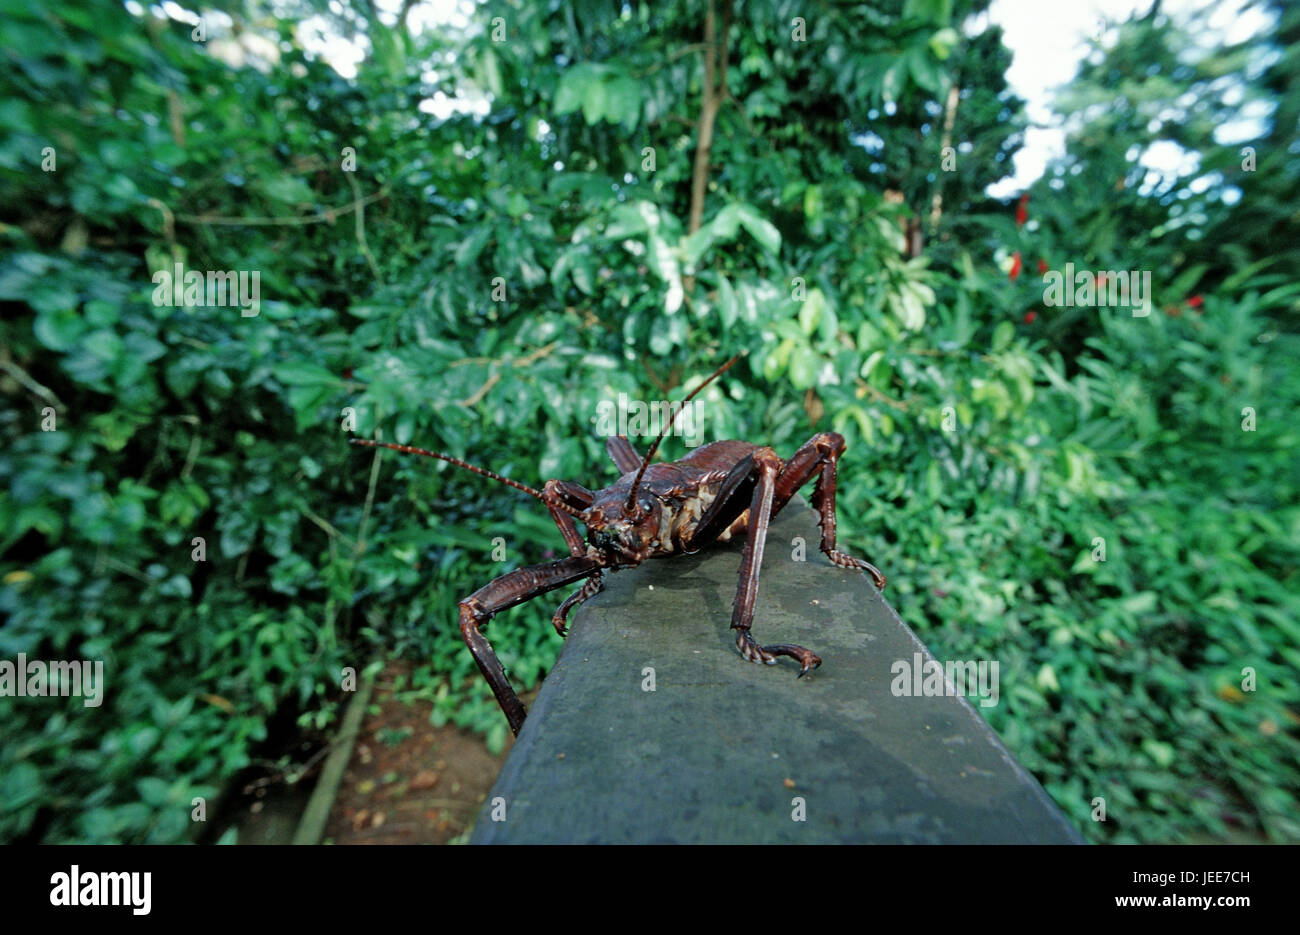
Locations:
{"points": [[848, 561], [807, 659]]}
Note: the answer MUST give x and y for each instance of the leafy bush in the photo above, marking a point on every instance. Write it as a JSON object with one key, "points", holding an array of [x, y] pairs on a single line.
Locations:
{"points": [[480, 283]]}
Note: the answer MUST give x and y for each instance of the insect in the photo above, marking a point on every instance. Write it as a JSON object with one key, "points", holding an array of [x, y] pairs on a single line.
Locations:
{"points": [[719, 490]]}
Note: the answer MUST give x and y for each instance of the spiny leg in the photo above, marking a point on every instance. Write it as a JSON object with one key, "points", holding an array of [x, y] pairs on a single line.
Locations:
{"points": [[751, 483], [819, 457], [510, 589], [622, 453], [576, 496], [824, 503], [593, 586]]}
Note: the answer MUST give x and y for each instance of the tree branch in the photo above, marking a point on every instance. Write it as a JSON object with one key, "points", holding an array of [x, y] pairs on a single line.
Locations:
{"points": [[715, 90], [22, 376], [949, 116], [329, 215]]}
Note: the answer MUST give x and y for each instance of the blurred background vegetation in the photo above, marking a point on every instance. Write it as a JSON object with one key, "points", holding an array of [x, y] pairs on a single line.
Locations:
{"points": [[550, 149]]}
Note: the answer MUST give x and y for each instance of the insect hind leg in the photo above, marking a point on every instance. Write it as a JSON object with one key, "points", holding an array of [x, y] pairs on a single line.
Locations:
{"points": [[752, 482], [622, 453], [818, 458]]}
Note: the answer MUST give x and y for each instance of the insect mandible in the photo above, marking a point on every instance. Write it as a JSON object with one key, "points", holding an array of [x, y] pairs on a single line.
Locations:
{"points": [[717, 491]]}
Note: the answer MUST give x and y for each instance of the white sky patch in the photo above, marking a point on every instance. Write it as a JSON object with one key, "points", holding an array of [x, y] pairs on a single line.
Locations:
{"points": [[1049, 40], [345, 55], [443, 107], [317, 38], [179, 13], [441, 14]]}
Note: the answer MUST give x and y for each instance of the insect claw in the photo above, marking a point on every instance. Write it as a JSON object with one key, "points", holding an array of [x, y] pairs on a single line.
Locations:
{"points": [[814, 663]]}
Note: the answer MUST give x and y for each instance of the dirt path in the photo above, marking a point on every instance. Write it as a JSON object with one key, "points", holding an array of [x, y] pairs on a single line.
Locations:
{"points": [[410, 782]]}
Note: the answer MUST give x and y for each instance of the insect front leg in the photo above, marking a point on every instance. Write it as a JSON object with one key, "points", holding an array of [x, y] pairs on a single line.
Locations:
{"points": [[510, 589], [818, 459], [576, 496], [593, 586], [751, 483]]}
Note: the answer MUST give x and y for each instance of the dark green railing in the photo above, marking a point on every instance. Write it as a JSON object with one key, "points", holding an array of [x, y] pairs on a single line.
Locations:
{"points": [[723, 750]]}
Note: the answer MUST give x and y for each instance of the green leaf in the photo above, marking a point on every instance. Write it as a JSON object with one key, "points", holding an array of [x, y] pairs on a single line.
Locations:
{"points": [[626, 221], [869, 364], [812, 202], [154, 791], [726, 223], [568, 95], [623, 101], [306, 400], [696, 245], [593, 101], [924, 70], [931, 11], [908, 308], [943, 42], [1163, 753], [304, 373], [660, 259], [58, 330], [760, 228], [727, 310], [583, 277], [1046, 679], [1243, 275], [804, 367], [891, 85], [582, 87], [1186, 280], [490, 69], [104, 344], [810, 313], [1141, 603], [288, 189]]}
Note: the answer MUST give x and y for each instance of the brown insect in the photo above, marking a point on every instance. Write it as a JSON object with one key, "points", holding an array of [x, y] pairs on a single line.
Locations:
{"points": [[719, 490]]}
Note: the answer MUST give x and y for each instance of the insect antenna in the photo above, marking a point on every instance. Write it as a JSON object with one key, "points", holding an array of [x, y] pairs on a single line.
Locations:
{"points": [[631, 497], [407, 449]]}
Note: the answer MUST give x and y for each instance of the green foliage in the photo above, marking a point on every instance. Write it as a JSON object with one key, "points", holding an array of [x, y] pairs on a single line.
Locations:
{"points": [[481, 283]]}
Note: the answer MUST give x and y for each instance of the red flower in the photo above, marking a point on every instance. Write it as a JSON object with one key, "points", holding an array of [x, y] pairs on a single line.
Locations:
{"points": [[1195, 301], [1015, 265], [347, 374], [1022, 210], [1042, 266], [1030, 317]]}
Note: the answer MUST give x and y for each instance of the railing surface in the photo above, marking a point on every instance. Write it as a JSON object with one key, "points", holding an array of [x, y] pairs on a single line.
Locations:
{"points": [[723, 750]]}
